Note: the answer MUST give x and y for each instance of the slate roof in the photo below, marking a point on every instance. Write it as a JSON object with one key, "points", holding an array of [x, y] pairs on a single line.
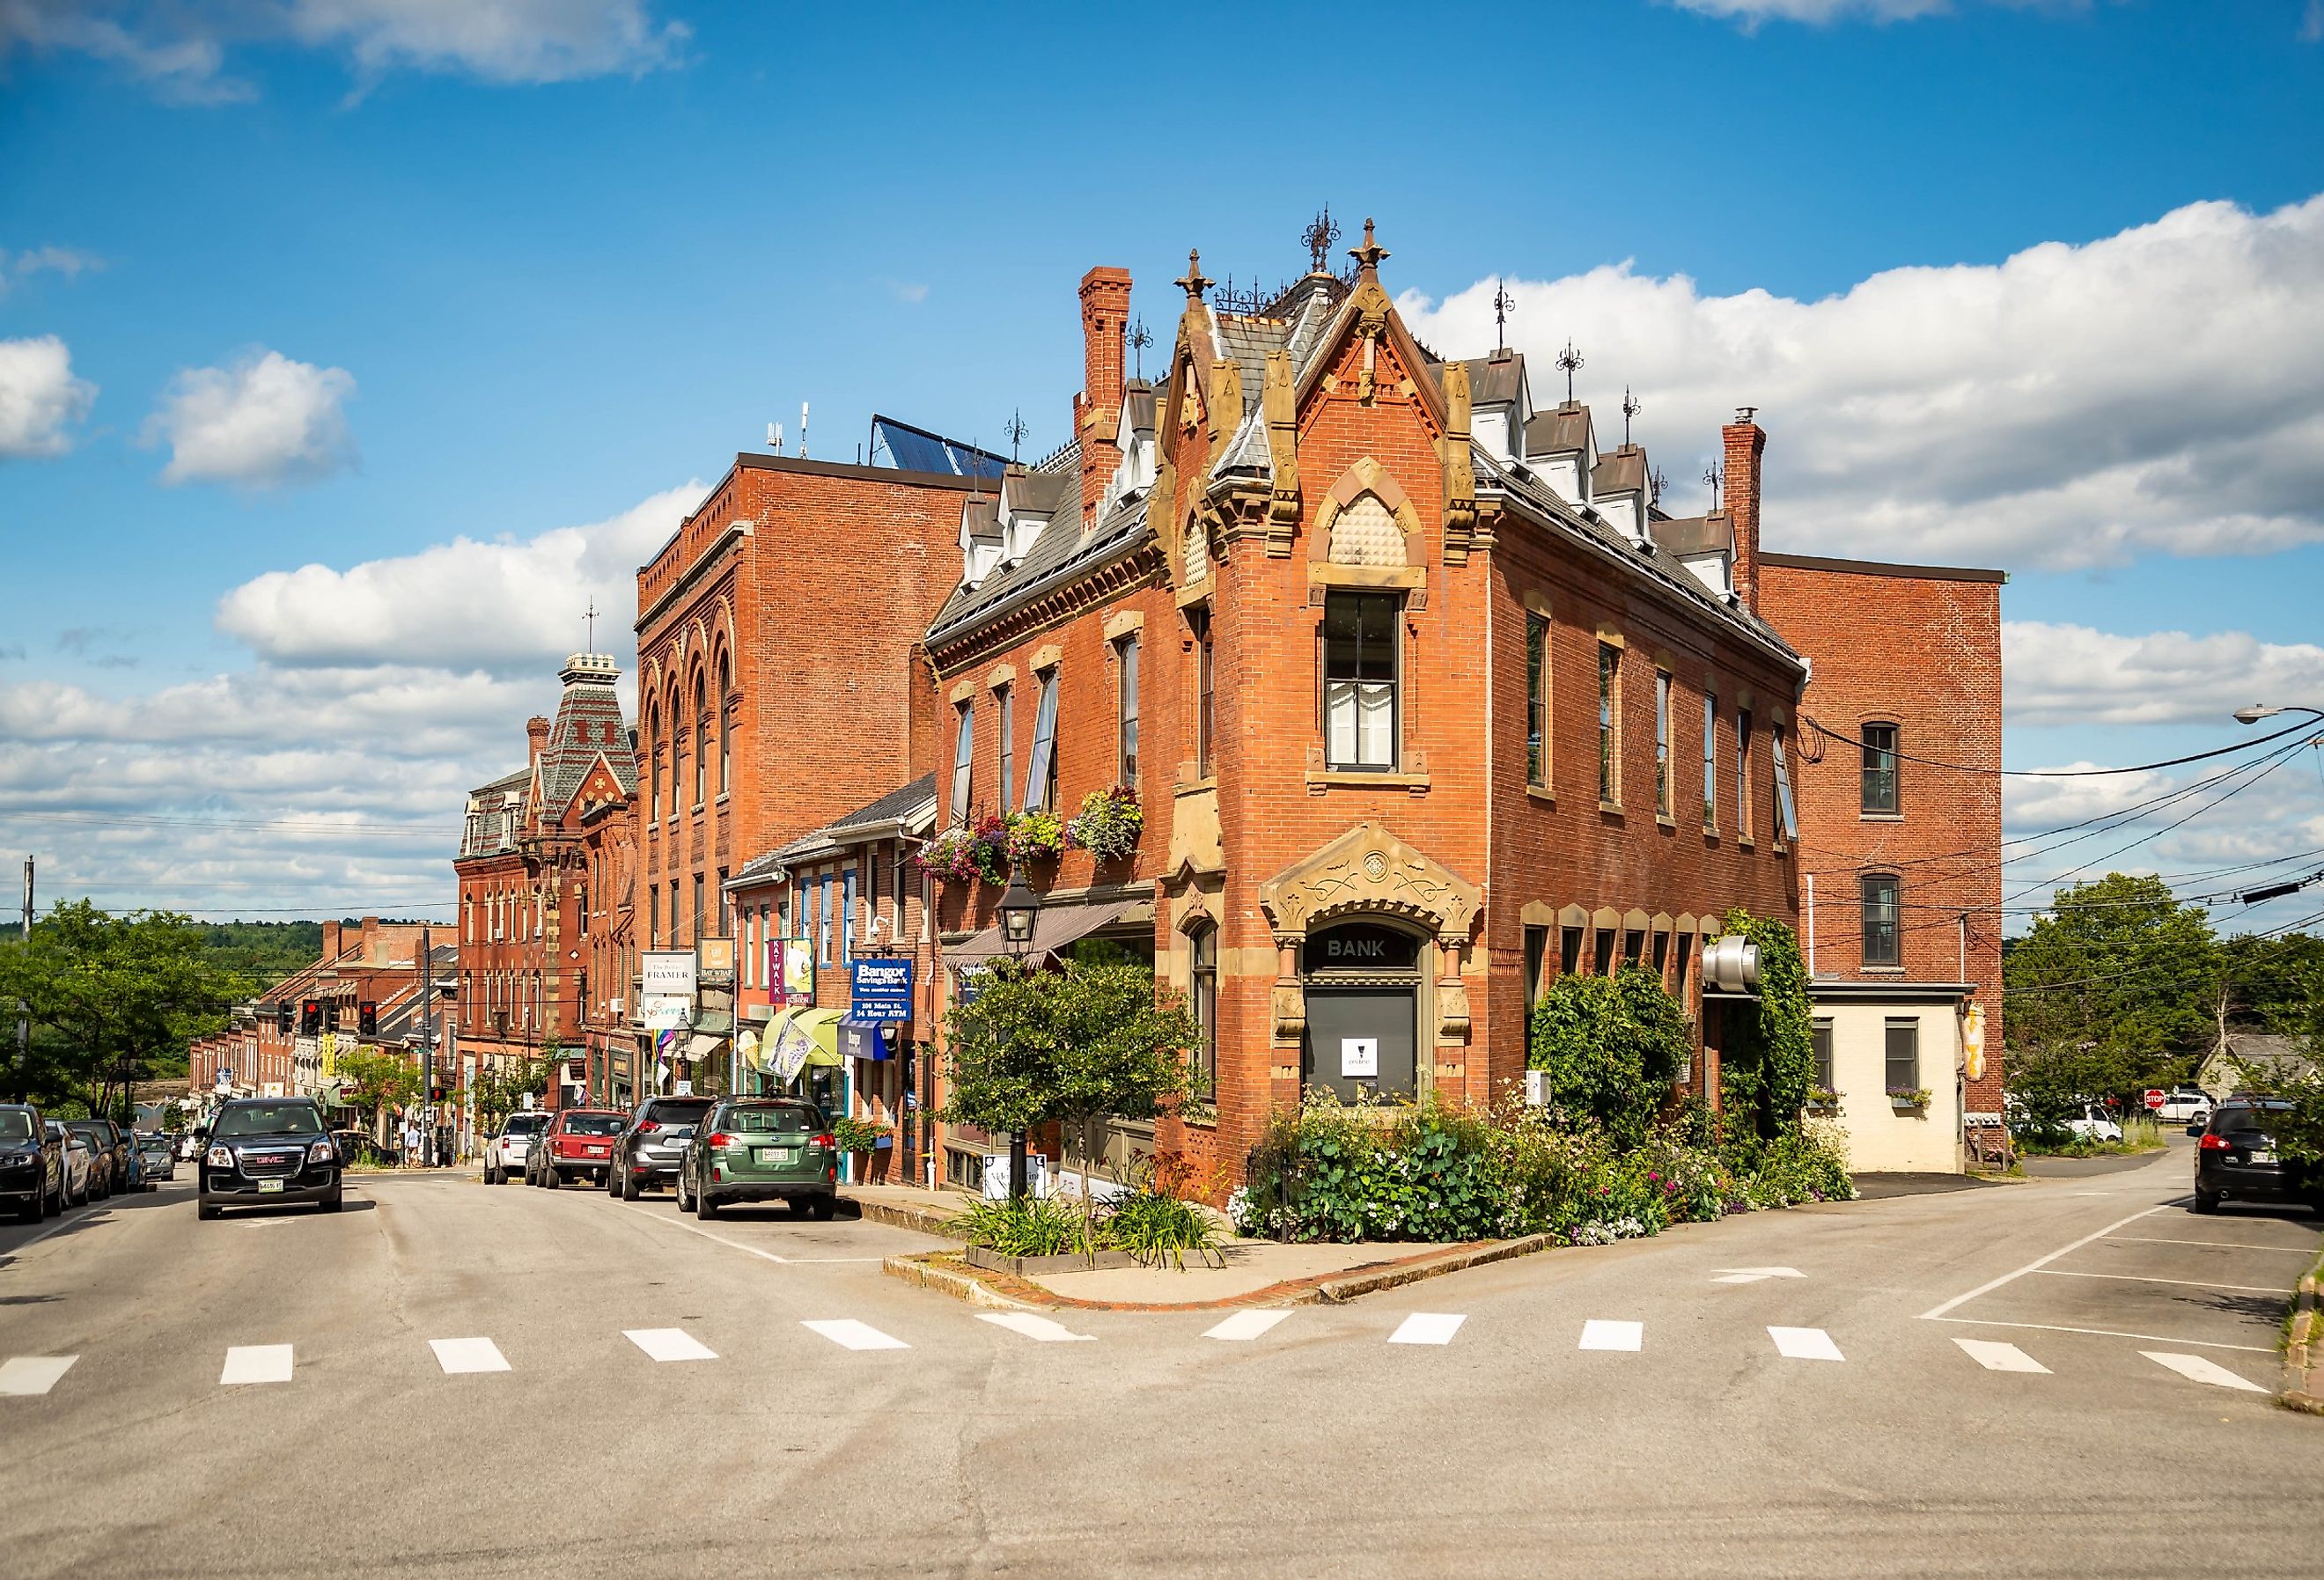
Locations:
{"points": [[1139, 396], [1684, 537], [1557, 430], [1495, 381], [1621, 471], [588, 726], [1062, 551]]}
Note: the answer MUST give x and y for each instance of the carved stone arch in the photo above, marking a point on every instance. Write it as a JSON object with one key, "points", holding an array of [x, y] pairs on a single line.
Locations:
{"points": [[1365, 476], [1369, 871]]}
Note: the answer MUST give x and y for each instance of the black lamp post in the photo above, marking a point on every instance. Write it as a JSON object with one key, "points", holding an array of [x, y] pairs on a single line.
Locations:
{"points": [[1019, 908]]}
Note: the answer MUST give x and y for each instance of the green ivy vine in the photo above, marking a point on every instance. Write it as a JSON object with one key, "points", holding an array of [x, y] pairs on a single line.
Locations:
{"points": [[1768, 1065]]}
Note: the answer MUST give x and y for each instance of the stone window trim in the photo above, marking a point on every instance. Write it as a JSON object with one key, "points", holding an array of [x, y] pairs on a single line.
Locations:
{"points": [[1320, 780], [1124, 623], [1001, 676], [1324, 573], [1048, 656]]}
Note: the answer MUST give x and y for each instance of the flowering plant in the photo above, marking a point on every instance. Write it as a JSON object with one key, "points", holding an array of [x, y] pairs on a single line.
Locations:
{"points": [[1909, 1096], [947, 856], [1109, 823], [1032, 836]]}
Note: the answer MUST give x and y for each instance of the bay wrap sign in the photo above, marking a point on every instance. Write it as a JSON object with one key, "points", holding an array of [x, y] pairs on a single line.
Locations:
{"points": [[715, 962], [882, 989]]}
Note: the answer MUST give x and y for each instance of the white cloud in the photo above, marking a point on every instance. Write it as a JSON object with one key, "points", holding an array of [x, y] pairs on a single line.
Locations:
{"points": [[2158, 390], [38, 397], [2055, 674], [178, 47], [1817, 10], [264, 420], [64, 261], [509, 607]]}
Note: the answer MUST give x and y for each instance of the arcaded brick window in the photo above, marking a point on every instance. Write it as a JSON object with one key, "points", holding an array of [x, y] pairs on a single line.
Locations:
{"points": [[1537, 701], [1880, 789], [1883, 942], [1609, 723]]}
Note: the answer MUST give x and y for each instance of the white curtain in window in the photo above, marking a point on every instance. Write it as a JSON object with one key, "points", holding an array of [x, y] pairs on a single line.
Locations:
{"points": [[1360, 715]]}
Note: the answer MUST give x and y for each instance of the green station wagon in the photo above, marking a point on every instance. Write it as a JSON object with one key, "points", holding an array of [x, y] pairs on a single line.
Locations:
{"points": [[761, 1149]]}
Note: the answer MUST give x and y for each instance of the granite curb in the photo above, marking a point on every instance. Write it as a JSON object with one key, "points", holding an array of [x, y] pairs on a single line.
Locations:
{"points": [[927, 1221], [947, 1273], [2304, 1356]]}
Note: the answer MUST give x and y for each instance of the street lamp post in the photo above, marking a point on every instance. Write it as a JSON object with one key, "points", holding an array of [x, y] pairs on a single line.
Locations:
{"points": [[2260, 710], [1019, 908]]}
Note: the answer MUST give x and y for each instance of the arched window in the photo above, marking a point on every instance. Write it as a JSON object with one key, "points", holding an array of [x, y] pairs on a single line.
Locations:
{"points": [[653, 760], [726, 730], [676, 748], [701, 739], [1204, 1001]]}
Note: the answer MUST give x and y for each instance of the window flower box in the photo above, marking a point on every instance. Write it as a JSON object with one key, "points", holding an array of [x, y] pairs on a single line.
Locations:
{"points": [[1908, 1099]]}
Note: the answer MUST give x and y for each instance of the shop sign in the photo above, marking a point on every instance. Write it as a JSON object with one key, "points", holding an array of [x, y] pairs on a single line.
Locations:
{"points": [[713, 961], [667, 973], [791, 963], [665, 1014], [863, 1039], [882, 988]]}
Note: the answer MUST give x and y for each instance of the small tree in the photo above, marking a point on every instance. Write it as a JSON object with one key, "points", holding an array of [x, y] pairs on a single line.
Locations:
{"points": [[1067, 1047], [1612, 1046], [501, 1089], [374, 1079]]}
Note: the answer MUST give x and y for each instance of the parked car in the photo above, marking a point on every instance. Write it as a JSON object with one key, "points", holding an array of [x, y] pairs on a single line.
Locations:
{"points": [[158, 1157], [2092, 1122], [578, 1141], [78, 1165], [109, 1172], [511, 1145], [761, 1149], [32, 1163], [653, 1148], [267, 1149], [2185, 1105], [2236, 1159]]}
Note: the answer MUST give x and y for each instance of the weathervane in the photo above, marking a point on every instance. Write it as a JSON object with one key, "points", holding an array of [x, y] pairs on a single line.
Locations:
{"points": [[1504, 304], [1656, 484], [1138, 341], [1015, 428], [1569, 359], [590, 615], [1711, 476], [1631, 407], [1319, 235]]}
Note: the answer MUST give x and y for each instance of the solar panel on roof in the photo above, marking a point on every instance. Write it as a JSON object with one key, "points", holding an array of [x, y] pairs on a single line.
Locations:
{"points": [[916, 450]]}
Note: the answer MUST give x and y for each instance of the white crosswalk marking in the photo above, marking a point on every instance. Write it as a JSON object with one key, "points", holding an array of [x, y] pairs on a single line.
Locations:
{"points": [[1598, 1334], [850, 1333], [1427, 1327], [670, 1344], [256, 1364], [2196, 1369], [1804, 1344], [1996, 1356], [469, 1354], [26, 1375], [1246, 1326], [1033, 1328]]}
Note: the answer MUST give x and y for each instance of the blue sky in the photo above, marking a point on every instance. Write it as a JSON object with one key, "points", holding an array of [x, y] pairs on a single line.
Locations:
{"points": [[357, 280]]}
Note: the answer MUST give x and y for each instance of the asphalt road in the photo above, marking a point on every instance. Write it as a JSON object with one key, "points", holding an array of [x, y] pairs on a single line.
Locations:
{"points": [[1457, 1426]]}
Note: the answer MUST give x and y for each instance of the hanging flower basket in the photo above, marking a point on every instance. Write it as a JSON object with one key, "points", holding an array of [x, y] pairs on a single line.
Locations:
{"points": [[1036, 837], [962, 855], [1109, 823]]}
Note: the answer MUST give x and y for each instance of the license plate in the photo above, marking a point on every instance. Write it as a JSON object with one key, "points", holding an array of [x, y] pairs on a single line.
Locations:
{"points": [[2262, 1154], [269, 1186], [596, 1152], [778, 1154]]}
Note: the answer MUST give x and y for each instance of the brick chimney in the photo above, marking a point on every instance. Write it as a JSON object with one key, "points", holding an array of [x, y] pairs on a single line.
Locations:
{"points": [[330, 940], [1746, 442], [1105, 315], [536, 731]]}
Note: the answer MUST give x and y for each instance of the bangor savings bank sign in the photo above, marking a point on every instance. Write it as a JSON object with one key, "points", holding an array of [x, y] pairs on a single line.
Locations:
{"points": [[882, 989]]}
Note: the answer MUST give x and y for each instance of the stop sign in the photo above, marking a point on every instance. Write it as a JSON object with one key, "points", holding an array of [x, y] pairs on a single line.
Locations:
{"points": [[2154, 1098]]}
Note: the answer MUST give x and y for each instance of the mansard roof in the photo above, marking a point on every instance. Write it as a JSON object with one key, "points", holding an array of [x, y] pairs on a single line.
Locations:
{"points": [[588, 726]]}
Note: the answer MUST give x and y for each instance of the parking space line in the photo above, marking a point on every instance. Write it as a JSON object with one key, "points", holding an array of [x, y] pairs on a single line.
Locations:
{"points": [[1427, 1327], [1804, 1344], [256, 1364], [1996, 1356], [2036, 1265], [29, 1376], [1246, 1326], [670, 1344], [2156, 1338], [2054, 1272], [849, 1334], [1598, 1334], [1039, 1328], [2196, 1369], [706, 1234], [2220, 1245], [469, 1354]]}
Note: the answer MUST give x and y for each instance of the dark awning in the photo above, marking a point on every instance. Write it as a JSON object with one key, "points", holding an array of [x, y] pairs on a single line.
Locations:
{"points": [[1053, 927]]}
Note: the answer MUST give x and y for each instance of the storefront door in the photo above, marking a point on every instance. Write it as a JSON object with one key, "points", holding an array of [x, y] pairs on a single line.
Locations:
{"points": [[1362, 983]]}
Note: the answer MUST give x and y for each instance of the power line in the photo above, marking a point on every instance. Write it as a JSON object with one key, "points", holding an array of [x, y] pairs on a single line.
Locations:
{"points": [[2060, 773]]}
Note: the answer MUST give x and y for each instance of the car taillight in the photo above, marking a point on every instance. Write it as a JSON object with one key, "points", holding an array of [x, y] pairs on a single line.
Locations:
{"points": [[2211, 1144], [647, 1127], [827, 1142], [721, 1139]]}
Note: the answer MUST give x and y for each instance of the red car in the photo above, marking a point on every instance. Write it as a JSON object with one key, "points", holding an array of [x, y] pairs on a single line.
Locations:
{"points": [[578, 1141]]}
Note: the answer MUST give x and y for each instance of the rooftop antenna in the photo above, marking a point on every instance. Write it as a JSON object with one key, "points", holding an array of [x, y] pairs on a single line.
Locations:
{"points": [[1631, 407], [1656, 484], [1138, 341], [1014, 429], [802, 430], [590, 615], [1711, 476], [775, 437], [1503, 305], [1321, 236], [1569, 359]]}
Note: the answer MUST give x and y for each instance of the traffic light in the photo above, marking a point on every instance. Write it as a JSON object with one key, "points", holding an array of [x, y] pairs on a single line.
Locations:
{"points": [[311, 1018], [284, 1017], [331, 1015], [366, 1018], [436, 1092]]}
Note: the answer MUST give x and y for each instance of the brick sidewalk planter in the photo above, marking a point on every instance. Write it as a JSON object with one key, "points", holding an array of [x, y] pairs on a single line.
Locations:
{"points": [[977, 1256]]}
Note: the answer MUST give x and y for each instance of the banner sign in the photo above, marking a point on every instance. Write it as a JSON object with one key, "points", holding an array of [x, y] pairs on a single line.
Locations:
{"points": [[790, 965], [715, 962], [665, 1014], [882, 988], [667, 973]]}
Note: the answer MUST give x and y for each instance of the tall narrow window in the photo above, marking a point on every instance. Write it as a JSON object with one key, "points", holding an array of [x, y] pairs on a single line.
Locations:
{"points": [[1903, 1056], [847, 918], [1683, 968], [1359, 680], [725, 732], [1006, 703], [1126, 699], [696, 916], [1536, 951], [677, 754], [1204, 1000], [1820, 1046], [1743, 774], [823, 918], [963, 749], [1880, 799], [1663, 742], [1041, 774], [1205, 719], [725, 908], [1608, 939], [1883, 945], [653, 768], [1609, 705], [1536, 701], [701, 741], [1569, 952], [653, 916], [1788, 814]]}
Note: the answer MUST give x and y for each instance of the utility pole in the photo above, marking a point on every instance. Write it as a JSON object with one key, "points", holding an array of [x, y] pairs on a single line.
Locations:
{"points": [[427, 1047], [23, 1006]]}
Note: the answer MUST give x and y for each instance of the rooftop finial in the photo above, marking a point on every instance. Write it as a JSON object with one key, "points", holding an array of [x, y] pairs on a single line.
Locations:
{"points": [[1504, 304], [1631, 407], [1138, 341], [1569, 359], [1015, 428], [1711, 476], [1368, 256], [1319, 235], [590, 615], [1656, 484], [1194, 281]]}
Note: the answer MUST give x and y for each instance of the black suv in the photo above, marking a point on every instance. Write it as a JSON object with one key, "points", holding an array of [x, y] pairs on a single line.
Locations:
{"points": [[267, 1149], [653, 1148], [2236, 1157], [32, 1163]]}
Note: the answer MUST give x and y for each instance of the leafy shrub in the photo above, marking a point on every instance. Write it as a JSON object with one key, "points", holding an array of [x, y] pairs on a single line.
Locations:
{"points": [[1612, 1046], [1025, 1226], [1767, 1064], [855, 1135], [1152, 1227]]}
